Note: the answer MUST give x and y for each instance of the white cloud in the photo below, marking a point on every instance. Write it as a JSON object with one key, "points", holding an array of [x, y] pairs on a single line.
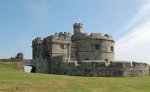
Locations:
{"points": [[141, 16], [136, 44]]}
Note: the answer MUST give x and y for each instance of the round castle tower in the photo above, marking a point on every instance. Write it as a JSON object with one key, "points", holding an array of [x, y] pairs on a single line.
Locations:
{"points": [[94, 46]]}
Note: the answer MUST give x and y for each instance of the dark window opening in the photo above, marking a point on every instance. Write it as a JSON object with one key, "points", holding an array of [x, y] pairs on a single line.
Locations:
{"points": [[112, 48], [47, 56], [62, 46], [66, 59], [106, 60], [97, 46], [87, 59]]}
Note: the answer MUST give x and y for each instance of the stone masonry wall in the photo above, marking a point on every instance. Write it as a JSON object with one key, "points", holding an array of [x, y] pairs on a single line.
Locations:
{"points": [[97, 68]]}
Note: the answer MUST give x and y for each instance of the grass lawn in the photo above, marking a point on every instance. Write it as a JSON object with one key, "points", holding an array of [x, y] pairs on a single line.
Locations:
{"points": [[12, 80]]}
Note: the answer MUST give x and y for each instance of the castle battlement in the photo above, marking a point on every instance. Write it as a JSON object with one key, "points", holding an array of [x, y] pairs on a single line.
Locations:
{"points": [[58, 39], [77, 25], [37, 41], [97, 36], [63, 34]]}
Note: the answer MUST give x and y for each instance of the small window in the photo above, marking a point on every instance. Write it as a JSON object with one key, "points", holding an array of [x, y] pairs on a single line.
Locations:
{"points": [[107, 63], [62, 46], [87, 59], [47, 56], [66, 59], [97, 47], [43, 57], [106, 60], [112, 48]]}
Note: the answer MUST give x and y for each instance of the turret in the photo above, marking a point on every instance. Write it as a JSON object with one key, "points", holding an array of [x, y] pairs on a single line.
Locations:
{"points": [[77, 28], [19, 56]]}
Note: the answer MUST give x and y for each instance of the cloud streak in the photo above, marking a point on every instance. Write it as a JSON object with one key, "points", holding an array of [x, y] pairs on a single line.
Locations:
{"points": [[143, 15], [135, 45]]}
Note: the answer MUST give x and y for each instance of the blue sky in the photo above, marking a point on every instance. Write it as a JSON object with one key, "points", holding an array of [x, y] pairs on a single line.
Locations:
{"points": [[127, 21]]}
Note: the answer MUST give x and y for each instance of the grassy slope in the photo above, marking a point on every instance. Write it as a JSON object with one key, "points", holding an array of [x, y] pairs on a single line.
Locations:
{"points": [[13, 64], [12, 80]]}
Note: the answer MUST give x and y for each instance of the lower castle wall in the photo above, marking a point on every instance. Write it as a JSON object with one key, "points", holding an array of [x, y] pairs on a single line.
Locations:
{"points": [[94, 68], [137, 69], [42, 66]]}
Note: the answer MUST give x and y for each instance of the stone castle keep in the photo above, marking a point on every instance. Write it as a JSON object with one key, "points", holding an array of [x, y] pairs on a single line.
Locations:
{"points": [[82, 55]]}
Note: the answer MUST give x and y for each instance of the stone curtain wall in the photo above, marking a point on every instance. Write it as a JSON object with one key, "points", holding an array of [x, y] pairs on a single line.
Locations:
{"points": [[92, 68]]}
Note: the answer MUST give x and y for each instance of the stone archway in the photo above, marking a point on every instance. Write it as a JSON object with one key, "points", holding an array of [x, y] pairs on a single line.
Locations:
{"points": [[33, 68]]}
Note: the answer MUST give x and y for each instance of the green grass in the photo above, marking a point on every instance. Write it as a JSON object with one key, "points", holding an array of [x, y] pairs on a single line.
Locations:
{"points": [[12, 80], [13, 64]]}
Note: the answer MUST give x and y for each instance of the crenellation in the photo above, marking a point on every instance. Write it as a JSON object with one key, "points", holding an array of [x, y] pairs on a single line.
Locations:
{"points": [[37, 41], [95, 35]]}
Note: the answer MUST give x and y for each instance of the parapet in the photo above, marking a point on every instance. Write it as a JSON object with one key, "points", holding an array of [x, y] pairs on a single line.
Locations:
{"points": [[99, 68], [115, 64], [77, 25], [100, 36], [62, 37], [63, 34], [97, 36], [129, 64]]}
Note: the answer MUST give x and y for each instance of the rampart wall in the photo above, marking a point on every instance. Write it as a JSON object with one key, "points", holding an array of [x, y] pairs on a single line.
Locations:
{"points": [[101, 68]]}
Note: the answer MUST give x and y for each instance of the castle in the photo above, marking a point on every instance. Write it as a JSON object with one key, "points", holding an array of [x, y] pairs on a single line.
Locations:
{"points": [[81, 54]]}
